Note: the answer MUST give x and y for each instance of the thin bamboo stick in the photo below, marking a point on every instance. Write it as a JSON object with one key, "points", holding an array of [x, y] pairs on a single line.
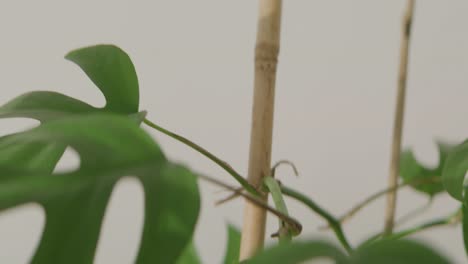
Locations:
{"points": [[266, 55], [399, 114]]}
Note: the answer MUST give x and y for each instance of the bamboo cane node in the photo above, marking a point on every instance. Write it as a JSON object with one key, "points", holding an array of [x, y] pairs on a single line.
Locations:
{"points": [[266, 56]]}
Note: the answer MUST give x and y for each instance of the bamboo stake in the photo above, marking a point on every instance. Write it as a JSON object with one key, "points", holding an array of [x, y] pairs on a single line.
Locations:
{"points": [[266, 54], [399, 114]]}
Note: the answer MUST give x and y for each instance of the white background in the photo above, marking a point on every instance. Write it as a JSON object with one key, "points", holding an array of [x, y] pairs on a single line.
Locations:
{"points": [[334, 104]]}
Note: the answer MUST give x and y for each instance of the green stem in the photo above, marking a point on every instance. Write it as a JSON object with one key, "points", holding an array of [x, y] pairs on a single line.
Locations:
{"points": [[291, 222], [414, 212], [355, 209], [207, 154], [449, 220], [335, 224], [453, 218], [332, 221]]}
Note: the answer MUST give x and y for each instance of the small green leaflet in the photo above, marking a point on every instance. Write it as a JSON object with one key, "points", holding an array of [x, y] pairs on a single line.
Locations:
{"points": [[420, 177], [233, 246]]}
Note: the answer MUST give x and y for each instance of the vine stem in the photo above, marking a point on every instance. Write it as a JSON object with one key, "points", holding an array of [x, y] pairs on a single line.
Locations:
{"points": [[358, 207], [398, 123], [207, 154], [452, 219], [266, 59], [281, 214], [332, 221], [368, 200]]}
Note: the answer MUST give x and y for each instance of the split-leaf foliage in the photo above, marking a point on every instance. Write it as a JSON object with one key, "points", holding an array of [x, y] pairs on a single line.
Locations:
{"points": [[111, 144]]}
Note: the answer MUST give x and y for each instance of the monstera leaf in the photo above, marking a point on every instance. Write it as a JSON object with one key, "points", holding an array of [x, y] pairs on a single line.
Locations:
{"points": [[74, 217], [109, 67], [381, 252], [397, 251], [189, 256], [112, 70], [420, 177], [298, 252], [109, 147]]}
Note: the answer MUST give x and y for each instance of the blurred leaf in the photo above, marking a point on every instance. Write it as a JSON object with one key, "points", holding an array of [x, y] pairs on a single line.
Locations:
{"points": [[37, 156], [109, 68], [30, 156], [75, 202], [297, 252], [44, 106], [233, 246], [397, 251], [454, 171], [189, 256], [465, 224], [112, 70], [424, 179], [108, 146]]}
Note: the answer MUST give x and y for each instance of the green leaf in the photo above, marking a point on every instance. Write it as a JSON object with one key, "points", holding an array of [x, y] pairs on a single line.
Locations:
{"points": [[298, 252], [42, 157], [75, 202], [44, 106], [189, 256], [285, 232], [454, 171], [171, 212], [397, 251], [109, 67], [233, 246], [33, 156], [422, 178], [465, 224], [112, 70]]}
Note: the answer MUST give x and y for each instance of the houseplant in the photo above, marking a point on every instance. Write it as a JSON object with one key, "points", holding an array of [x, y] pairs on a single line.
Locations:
{"points": [[74, 202]]}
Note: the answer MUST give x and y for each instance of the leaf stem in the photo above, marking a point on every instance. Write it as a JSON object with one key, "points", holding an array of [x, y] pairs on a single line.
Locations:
{"points": [[332, 221], [293, 223], [369, 200], [207, 154], [355, 209], [415, 212], [450, 220]]}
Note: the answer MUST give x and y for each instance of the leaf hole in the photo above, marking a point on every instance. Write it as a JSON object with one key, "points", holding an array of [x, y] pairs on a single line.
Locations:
{"points": [[15, 125], [122, 224], [20, 229], [69, 162]]}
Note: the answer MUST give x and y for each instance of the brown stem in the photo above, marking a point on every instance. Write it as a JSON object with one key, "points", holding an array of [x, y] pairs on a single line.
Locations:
{"points": [[398, 125], [266, 54], [293, 223], [368, 200], [358, 207], [415, 212]]}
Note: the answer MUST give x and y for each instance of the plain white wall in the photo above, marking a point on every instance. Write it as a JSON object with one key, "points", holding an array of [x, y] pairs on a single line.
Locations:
{"points": [[334, 105]]}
